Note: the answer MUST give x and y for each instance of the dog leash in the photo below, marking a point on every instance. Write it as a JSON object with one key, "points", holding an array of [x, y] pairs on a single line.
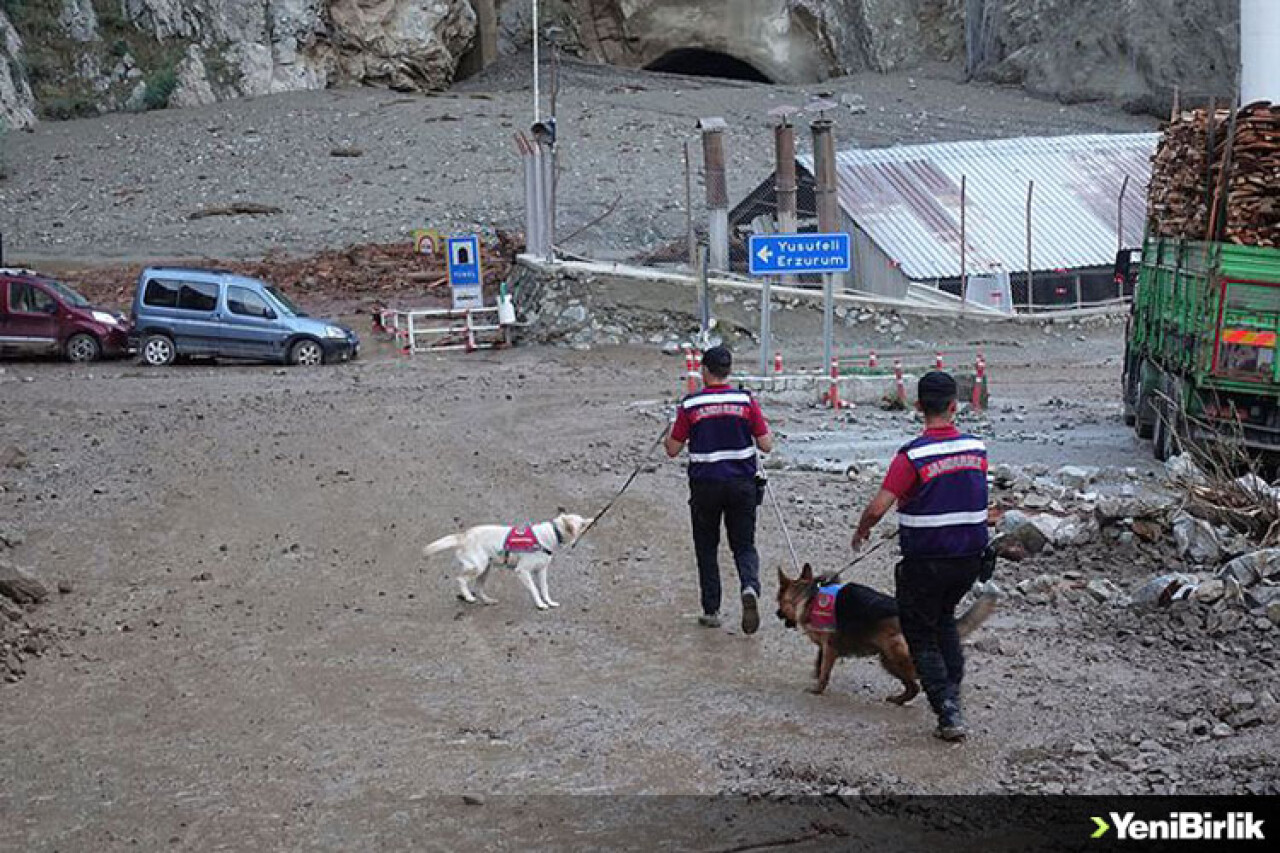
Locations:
{"points": [[773, 498], [857, 559], [639, 467]]}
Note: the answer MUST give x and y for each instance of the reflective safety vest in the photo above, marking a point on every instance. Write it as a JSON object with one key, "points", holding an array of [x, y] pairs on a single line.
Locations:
{"points": [[524, 540], [947, 514], [721, 446]]}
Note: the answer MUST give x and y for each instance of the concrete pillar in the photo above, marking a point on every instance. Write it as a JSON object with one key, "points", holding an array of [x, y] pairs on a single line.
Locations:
{"points": [[717, 191], [1259, 51]]}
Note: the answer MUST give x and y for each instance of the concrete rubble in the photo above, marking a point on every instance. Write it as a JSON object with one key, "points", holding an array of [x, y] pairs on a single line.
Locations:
{"points": [[1197, 563]]}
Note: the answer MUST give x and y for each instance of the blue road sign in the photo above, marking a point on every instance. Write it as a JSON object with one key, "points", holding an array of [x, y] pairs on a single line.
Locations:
{"points": [[797, 254], [464, 261]]}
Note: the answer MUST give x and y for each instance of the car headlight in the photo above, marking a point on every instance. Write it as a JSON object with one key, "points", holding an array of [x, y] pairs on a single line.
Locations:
{"points": [[334, 332], [106, 319]]}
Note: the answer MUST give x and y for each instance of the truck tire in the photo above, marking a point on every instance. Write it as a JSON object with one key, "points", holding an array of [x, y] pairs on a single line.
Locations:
{"points": [[1162, 441], [1144, 418], [1130, 393]]}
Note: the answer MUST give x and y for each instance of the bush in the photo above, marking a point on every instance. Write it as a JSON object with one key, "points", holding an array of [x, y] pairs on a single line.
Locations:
{"points": [[160, 86]]}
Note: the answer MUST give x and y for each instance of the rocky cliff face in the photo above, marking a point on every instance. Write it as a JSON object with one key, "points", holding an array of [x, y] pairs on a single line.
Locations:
{"points": [[1129, 52], [81, 57]]}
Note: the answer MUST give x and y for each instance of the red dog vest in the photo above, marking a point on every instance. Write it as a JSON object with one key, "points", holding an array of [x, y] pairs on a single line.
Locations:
{"points": [[822, 608], [522, 540]]}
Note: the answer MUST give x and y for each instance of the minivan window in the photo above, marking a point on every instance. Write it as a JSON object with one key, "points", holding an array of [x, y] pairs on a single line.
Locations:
{"points": [[26, 298], [285, 303], [69, 296], [187, 295], [198, 296], [246, 303], [161, 293]]}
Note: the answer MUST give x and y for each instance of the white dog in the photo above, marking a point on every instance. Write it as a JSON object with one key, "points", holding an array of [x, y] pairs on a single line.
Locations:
{"points": [[526, 550]]}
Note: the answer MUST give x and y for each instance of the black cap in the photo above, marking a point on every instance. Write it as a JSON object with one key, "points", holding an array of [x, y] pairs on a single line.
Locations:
{"points": [[718, 360], [936, 386]]}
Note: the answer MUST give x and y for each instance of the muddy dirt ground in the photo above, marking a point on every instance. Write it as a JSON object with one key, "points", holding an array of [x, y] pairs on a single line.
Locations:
{"points": [[254, 650], [252, 653]]}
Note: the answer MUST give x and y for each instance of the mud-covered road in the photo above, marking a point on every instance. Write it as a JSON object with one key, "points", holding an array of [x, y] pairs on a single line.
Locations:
{"points": [[254, 654]]}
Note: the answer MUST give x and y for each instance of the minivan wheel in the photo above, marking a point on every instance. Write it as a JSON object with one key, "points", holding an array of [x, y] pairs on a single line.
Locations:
{"points": [[306, 353], [158, 350], [82, 347]]}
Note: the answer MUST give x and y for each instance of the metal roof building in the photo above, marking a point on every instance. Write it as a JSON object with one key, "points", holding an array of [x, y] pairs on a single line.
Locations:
{"points": [[903, 205]]}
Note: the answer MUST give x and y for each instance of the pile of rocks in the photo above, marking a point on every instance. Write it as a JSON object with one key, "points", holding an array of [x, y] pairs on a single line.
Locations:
{"points": [[1167, 556], [566, 309], [20, 593]]}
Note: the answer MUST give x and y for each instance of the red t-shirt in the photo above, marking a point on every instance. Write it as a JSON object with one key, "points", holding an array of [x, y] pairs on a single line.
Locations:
{"points": [[759, 426], [901, 478]]}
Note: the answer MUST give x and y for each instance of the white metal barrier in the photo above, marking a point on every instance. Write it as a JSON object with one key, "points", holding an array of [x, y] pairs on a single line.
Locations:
{"points": [[448, 329]]}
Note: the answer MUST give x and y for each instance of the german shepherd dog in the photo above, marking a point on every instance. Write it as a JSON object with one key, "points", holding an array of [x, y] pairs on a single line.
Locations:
{"points": [[869, 627]]}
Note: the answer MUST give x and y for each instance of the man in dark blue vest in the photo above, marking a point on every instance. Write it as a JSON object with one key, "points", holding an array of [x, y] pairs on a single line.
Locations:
{"points": [[723, 427], [939, 482]]}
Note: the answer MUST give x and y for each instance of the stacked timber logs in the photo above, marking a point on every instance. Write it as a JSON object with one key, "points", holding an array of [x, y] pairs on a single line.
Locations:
{"points": [[1212, 179]]}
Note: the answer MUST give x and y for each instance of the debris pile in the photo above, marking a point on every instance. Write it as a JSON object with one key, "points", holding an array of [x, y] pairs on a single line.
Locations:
{"points": [[20, 594], [356, 276], [1144, 547], [1187, 181]]}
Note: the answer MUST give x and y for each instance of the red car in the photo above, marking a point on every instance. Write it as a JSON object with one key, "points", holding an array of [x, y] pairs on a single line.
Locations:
{"points": [[40, 315]]}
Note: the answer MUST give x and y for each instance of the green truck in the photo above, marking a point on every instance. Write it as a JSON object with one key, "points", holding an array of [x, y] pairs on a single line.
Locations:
{"points": [[1200, 353]]}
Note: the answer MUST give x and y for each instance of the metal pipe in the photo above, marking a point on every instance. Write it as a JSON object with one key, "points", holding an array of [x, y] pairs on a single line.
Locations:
{"points": [[688, 208], [704, 298], [553, 182], [785, 189], [964, 275], [1124, 185], [824, 159], [717, 190], [537, 92], [1031, 278], [530, 195], [785, 186], [537, 245]]}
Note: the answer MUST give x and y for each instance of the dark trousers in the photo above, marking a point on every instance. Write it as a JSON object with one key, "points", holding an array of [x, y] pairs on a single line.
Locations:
{"points": [[735, 502], [928, 591]]}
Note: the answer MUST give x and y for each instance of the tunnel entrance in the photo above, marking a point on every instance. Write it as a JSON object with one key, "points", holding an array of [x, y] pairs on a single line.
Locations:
{"points": [[697, 62]]}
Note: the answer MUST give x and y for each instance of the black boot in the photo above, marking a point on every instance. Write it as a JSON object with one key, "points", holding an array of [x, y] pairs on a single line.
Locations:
{"points": [[950, 722]]}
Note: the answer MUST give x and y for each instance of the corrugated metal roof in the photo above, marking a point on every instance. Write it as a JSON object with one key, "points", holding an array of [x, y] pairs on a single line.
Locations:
{"points": [[907, 199]]}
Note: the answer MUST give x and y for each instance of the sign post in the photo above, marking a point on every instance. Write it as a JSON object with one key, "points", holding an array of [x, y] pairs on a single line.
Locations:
{"points": [[799, 254], [465, 279]]}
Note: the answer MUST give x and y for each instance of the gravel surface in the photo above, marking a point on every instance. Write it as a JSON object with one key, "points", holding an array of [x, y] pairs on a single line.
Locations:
{"points": [[248, 650], [123, 186], [255, 649]]}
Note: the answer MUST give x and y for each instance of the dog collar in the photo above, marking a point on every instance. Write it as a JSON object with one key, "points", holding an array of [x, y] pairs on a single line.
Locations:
{"points": [[559, 535]]}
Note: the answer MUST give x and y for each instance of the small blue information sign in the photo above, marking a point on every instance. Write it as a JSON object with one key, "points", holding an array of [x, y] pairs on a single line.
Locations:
{"points": [[798, 254], [464, 272]]}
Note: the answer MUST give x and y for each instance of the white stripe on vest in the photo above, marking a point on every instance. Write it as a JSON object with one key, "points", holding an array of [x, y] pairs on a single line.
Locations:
{"points": [[722, 455], [705, 399], [959, 445], [950, 519]]}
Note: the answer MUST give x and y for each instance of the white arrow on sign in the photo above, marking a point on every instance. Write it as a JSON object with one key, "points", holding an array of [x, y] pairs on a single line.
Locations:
{"points": [[764, 254]]}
